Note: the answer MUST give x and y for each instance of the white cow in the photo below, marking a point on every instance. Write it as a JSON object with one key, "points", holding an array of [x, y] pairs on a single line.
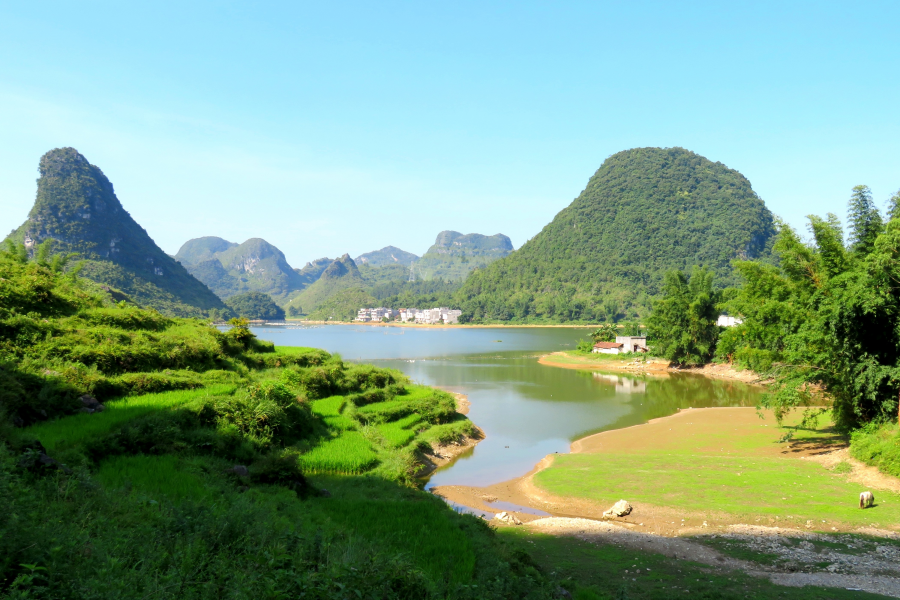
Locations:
{"points": [[866, 499]]}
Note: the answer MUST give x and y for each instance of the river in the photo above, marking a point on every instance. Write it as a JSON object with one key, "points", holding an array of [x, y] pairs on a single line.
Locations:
{"points": [[527, 410]]}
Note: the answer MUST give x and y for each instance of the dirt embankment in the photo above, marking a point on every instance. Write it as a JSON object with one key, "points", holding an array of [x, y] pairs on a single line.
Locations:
{"points": [[646, 366], [443, 454]]}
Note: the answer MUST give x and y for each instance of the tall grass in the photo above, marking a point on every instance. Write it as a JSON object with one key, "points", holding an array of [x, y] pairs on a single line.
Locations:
{"points": [[399, 433], [878, 445], [349, 454], [330, 409], [162, 475], [73, 430], [420, 531]]}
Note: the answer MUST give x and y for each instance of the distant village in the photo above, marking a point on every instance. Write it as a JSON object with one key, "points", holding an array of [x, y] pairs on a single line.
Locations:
{"points": [[429, 316]]}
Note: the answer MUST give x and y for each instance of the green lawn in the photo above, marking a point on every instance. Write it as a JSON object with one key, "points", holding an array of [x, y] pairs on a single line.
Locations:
{"points": [[739, 469]]}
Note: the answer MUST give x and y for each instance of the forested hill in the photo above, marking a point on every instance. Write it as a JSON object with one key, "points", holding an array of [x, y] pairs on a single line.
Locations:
{"points": [[77, 208], [454, 255], [644, 212], [230, 269]]}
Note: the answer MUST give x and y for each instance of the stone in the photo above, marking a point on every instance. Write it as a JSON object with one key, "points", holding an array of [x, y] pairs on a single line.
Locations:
{"points": [[508, 518], [619, 509], [239, 470], [324, 493]]}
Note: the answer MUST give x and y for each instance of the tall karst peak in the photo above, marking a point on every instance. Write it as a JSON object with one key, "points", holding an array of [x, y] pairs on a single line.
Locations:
{"points": [[644, 212], [76, 207], [454, 255]]}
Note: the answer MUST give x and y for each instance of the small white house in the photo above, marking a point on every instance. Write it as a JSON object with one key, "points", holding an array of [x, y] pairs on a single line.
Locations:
{"points": [[632, 343], [726, 321], [608, 348]]}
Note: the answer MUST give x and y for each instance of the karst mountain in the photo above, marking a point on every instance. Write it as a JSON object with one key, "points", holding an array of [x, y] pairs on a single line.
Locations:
{"points": [[77, 208], [644, 212]]}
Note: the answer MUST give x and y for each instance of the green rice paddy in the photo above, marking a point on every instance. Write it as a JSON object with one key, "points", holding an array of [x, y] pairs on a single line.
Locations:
{"points": [[164, 475], [399, 433], [350, 454], [73, 430]]}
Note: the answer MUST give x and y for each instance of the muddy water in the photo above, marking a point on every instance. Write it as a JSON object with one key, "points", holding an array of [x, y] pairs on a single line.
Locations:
{"points": [[526, 410]]}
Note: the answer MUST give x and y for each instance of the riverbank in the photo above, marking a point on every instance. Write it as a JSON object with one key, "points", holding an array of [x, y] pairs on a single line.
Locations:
{"points": [[442, 325], [642, 365], [701, 470], [715, 486]]}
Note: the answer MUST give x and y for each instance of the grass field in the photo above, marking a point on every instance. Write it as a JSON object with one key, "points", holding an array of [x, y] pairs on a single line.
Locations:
{"points": [[164, 475], [73, 430], [350, 453], [706, 461], [399, 433]]}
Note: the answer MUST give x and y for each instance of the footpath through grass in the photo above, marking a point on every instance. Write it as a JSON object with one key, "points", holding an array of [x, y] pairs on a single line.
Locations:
{"points": [[720, 465]]}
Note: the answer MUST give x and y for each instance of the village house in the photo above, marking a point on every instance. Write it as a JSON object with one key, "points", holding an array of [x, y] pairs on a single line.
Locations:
{"points": [[726, 321], [366, 315], [623, 344]]}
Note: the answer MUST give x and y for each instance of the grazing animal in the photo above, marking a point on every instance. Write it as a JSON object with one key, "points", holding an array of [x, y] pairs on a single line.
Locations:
{"points": [[866, 499]]}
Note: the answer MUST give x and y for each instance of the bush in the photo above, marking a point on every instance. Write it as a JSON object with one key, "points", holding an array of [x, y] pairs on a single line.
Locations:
{"points": [[878, 445]]}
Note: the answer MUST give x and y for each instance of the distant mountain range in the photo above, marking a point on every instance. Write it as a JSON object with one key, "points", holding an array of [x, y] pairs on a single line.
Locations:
{"points": [[76, 207], [644, 212]]}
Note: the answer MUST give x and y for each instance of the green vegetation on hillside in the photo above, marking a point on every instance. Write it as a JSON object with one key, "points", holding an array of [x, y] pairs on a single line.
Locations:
{"points": [[77, 208], [454, 255], [147, 456], [230, 269], [645, 212], [683, 326], [255, 305], [389, 255]]}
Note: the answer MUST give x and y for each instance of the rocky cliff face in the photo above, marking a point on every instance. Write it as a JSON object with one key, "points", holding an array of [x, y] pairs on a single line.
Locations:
{"points": [[76, 207], [230, 269]]}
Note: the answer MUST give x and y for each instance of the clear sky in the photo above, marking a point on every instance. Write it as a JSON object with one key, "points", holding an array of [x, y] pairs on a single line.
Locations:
{"points": [[332, 127]]}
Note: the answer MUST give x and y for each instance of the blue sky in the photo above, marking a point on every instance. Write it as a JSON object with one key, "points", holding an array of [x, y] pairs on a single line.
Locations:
{"points": [[344, 127]]}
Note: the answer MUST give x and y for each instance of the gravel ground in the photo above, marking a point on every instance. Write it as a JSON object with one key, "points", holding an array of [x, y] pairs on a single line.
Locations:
{"points": [[868, 562]]}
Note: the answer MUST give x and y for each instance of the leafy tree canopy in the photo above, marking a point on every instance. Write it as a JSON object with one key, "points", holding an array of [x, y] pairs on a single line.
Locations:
{"points": [[683, 323], [255, 305]]}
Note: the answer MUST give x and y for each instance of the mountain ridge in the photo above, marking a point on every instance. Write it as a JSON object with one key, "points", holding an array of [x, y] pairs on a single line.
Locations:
{"points": [[77, 207]]}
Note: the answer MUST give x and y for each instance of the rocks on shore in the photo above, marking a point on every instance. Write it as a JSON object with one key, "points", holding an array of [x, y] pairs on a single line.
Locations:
{"points": [[619, 509], [508, 518]]}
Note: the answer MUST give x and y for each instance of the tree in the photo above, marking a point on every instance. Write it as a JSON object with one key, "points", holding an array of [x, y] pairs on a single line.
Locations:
{"points": [[865, 220], [893, 208], [605, 333], [255, 305], [683, 322]]}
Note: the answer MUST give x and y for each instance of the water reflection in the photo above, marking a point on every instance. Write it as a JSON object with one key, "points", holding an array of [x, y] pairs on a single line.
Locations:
{"points": [[527, 410]]}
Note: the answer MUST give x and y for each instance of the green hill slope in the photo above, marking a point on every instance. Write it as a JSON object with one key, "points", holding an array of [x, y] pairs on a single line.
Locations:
{"points": [[77, 207], [340, 275], [644, 212], [454, 255], [230, 269]]}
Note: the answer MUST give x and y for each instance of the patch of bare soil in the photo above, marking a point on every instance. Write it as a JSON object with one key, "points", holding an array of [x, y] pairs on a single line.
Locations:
{"points": [[800, 558], [861, 473]]}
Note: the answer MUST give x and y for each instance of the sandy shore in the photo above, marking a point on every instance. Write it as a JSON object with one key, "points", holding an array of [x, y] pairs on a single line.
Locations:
{"points": [[651, 366], [702, 429]]}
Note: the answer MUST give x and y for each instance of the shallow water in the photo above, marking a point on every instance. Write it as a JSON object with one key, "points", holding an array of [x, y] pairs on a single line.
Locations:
{"points": [[527, 410]]}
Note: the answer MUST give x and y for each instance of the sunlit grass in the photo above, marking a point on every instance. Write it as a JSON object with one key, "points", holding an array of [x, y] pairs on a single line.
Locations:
{"points": [[399, 433], [351, 454], [330, 409], [73, 430]]}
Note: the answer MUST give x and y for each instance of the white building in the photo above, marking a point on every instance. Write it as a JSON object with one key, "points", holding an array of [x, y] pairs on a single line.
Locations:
{"points": [[608, 348], [726, 321], [632, 343], [451, 316]]}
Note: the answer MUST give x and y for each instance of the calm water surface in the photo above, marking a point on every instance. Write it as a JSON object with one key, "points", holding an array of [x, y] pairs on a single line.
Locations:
{"points": [[527, 410]]}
